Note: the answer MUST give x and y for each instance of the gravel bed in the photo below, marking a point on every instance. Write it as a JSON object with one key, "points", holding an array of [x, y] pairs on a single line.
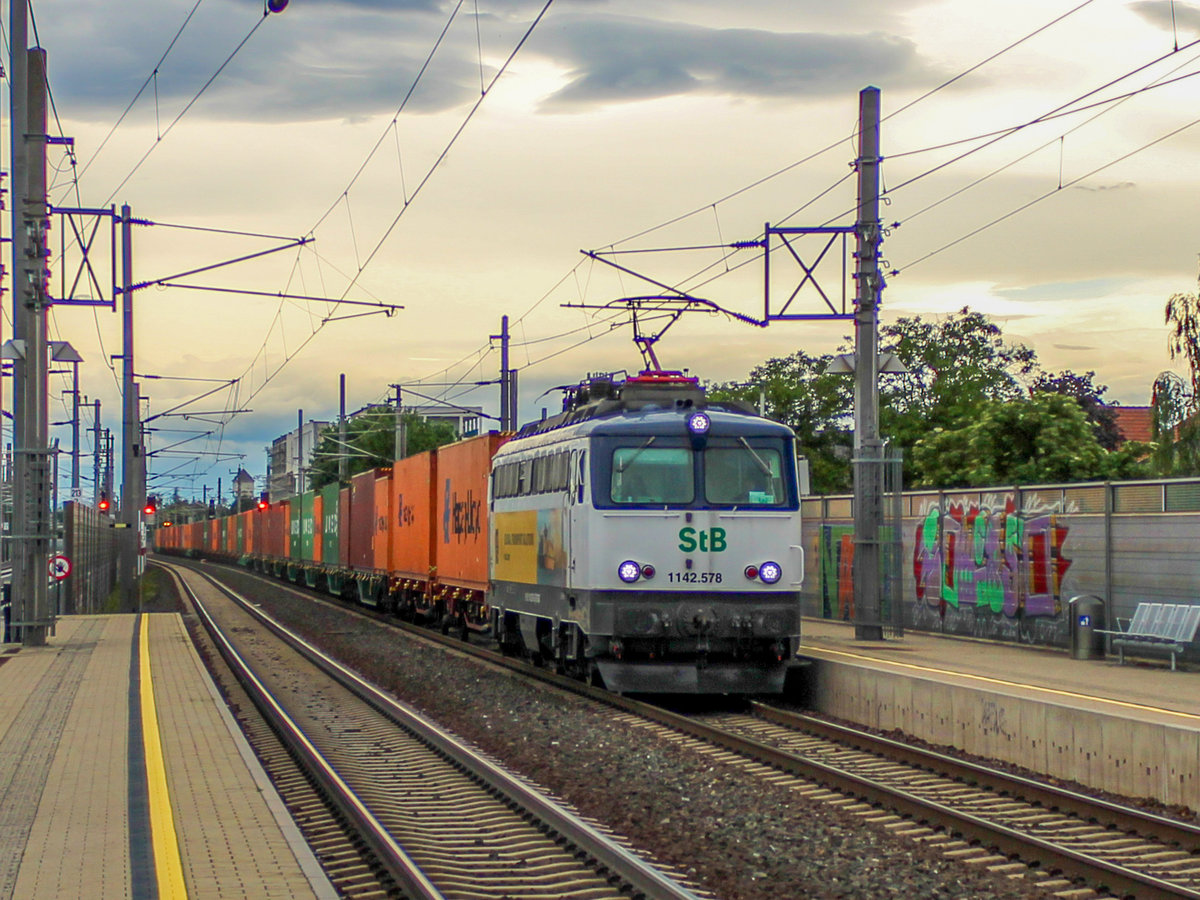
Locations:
{"points": [[737, 836]]}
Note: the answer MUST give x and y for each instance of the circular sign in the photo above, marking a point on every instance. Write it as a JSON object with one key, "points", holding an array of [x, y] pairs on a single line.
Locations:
{"points": [[60, 567]]}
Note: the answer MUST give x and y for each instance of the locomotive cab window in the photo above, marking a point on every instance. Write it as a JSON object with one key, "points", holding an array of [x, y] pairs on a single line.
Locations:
{"points": [[739, 473], [654, 475]]}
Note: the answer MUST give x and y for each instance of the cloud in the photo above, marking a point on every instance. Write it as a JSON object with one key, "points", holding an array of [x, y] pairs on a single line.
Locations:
{"points": [[1167, 14], [1086, 289], [1073, 347], [616, 59], [344, 59], [317, 60], [1118, 186]]}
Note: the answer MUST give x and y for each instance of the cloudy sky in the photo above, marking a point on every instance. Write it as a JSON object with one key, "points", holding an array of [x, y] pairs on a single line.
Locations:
{"points": [[455, 159]]}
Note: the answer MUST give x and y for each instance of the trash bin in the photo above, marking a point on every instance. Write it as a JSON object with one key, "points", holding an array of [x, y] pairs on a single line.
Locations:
{"points": [[1085, 624]]}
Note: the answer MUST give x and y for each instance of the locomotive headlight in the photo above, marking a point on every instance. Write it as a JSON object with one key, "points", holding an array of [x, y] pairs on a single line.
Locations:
{"points": [[699, 423], [629, 571], [751, 572], [770, 572], [647, 571]]}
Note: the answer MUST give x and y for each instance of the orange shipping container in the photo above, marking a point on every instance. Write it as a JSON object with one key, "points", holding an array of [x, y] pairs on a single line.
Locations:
{"points": [[252, 519], [381, 541], [414, 498], [462, 510]]}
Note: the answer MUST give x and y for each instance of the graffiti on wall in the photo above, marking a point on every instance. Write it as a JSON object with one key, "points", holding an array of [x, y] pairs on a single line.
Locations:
{"points": [[989, 557], [837, 572], [994, 559]]}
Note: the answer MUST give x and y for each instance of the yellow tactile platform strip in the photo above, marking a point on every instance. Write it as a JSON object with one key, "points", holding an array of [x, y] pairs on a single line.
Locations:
{"points": [[64, 748], [229, 841]]}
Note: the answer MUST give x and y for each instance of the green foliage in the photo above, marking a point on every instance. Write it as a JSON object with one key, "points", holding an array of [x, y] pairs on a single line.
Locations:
{"points": [[1176, 429], [371, 443], [954, 365], [1090, 397], [1046, 439], [961, 415]]}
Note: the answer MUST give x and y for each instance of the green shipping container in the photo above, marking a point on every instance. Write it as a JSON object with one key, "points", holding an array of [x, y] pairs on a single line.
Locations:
{"points": [[241, 536], [307, 527], [294, 517], [223, 535], [329, 523]]}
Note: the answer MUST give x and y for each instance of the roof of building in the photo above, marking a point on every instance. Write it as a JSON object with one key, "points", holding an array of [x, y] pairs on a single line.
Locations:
{"points": [[1135, 422], [243, 475]]}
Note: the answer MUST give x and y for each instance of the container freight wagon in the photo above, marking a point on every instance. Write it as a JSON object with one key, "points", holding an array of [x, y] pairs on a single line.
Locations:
{"points": [[461, 530], [274, 551], [369, 501], [413, 500], [301, 560], [318, 503]]}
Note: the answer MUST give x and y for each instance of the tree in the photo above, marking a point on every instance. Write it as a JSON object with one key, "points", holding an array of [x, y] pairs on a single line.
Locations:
{"points": [[1045, 439], [371, 443], [1090, 397], [816, 405], [1176, 429], [954, 365]]}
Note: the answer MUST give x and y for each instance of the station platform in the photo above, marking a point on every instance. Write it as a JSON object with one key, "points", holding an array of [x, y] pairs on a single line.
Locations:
{"points": [[1131, 730], [122, 774]]}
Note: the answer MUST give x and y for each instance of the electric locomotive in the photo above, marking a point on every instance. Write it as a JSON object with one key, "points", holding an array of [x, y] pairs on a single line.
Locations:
{"points": [[649, 539]]}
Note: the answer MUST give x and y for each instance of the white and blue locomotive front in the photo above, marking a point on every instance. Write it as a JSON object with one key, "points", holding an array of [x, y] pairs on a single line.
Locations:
{"points": [[659, 546]]}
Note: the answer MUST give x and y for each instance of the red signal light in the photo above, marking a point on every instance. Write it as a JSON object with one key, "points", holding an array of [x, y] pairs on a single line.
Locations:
{"points": [[262, 504], [103, 504]]}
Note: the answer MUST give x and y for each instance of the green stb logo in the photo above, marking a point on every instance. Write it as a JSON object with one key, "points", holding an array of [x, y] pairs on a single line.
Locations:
{"points": [[710, 541]]}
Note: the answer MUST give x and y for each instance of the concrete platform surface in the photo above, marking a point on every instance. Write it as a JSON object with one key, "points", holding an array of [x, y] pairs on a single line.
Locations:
{"points": [[122, 774]]}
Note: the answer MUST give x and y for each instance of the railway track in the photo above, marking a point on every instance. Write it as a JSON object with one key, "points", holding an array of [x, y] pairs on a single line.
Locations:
{"points": [[1070, 842], [1119, 849], [440, 819]]}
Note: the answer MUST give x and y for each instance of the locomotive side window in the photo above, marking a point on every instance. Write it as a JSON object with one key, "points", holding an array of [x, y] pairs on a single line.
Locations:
{"points": [[654, 475], [744, 475]]}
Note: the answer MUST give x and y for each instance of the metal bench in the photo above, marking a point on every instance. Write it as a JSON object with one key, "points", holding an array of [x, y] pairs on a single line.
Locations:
{"points": [[1157, 628]]}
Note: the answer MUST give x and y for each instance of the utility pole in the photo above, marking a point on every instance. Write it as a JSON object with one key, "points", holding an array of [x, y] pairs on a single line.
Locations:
{"points": [[128, 542], [343, 458], [868, 448], [401, 448], [299, 451], [75, 431], [108, 463], [506, 416], [30, 349], [512, 399], [97, 454]]}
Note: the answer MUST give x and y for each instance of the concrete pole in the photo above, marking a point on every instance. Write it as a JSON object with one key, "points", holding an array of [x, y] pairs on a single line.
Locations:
{"points": [[868, 455], [512, 399], [299, 451], [74, 431], [31, 527], [401, 448], [97, 455], [506, 415], [343, 457], [131, 458]]}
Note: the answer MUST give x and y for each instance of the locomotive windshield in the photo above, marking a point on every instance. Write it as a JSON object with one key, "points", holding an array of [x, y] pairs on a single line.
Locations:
{"points": [[648, 474], [729, 471], [743, 475]]}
